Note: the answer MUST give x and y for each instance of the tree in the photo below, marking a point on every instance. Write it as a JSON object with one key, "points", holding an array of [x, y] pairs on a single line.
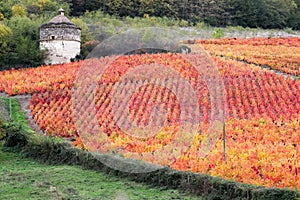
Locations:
{"points": [[28, 52], [18, 11], [278, 12], [79, 7], [158, 8], [86, 35], [24, 47], [5, 9], [1, 17], [214, 12], [260, 13], [5, 38], [123, 8], [294, 17]]}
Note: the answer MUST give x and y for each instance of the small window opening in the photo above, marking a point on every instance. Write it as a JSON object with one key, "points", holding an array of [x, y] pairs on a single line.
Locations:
{"points": [[52, 37]]}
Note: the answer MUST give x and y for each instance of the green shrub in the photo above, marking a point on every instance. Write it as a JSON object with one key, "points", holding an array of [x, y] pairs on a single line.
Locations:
{"points": [[2, 131], [202, 26], [218, 33], [15, 137]]}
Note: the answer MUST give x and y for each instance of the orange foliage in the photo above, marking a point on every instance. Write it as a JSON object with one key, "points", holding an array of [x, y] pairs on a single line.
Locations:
{"points": [[262, 109], [281, 54]]}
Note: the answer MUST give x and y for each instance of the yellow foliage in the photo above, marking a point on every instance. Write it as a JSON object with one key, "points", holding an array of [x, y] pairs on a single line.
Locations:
{"points": [[18, 11], [1, 16]]}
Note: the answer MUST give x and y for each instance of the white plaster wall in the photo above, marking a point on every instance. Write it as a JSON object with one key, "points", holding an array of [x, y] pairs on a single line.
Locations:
{"points": [[60, 51]]}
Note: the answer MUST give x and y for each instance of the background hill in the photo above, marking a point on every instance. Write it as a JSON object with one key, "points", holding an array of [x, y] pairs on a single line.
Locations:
{"points": [[99, 19]]}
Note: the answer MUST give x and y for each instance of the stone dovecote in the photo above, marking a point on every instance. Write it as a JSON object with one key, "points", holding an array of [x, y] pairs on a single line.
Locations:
{"points": [[61, 38]]}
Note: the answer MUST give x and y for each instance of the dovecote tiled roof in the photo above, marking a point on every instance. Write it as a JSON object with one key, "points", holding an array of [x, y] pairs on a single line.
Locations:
{"points": [[60, 21]]}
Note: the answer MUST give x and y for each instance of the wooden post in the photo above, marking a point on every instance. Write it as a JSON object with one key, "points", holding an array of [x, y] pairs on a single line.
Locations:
{"points": [[10, 110], [224, 136]]}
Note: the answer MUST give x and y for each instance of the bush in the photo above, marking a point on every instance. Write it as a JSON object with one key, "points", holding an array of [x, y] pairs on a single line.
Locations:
{"points": [[2, 131], [218, 33], [15, 138]]}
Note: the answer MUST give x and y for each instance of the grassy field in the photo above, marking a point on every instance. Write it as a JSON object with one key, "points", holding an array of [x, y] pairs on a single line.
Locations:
{"points": [[26, 179], [22, 178]]}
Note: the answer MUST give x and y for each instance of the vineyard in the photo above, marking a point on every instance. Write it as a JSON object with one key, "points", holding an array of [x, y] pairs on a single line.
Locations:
{"points": [[260, 107], [278, 54]]}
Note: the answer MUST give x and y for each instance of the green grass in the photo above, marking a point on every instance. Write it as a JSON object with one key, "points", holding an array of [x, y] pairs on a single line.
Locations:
{"points": [[17, 114], [22, 178]]}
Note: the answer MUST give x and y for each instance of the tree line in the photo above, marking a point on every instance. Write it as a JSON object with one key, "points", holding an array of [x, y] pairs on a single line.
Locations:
{"points": [[246, 13], [20, 19]]}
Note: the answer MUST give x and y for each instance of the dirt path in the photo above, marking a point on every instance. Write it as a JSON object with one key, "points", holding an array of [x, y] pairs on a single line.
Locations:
{"points": [[24, 101], [4, 115]]}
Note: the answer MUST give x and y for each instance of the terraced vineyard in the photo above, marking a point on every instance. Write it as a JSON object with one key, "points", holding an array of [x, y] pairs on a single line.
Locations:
{"points": [[278, 54], [261, 108]]}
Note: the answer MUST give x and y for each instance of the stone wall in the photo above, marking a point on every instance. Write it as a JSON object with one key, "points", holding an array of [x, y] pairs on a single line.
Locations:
{"points": [[60, 51], [59, 33]]}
